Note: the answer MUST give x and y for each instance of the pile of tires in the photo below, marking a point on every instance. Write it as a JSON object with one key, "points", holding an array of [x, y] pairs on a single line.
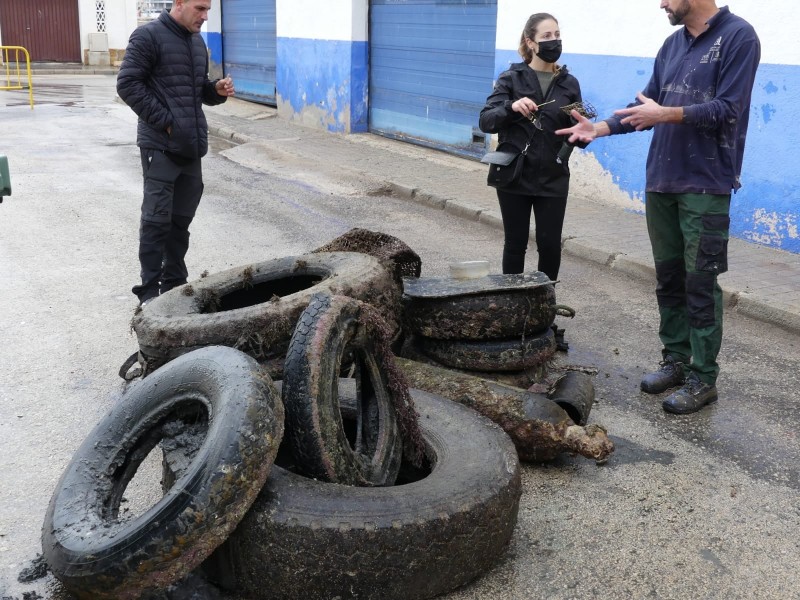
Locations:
{"points": [[323, 485], [496, 323]]}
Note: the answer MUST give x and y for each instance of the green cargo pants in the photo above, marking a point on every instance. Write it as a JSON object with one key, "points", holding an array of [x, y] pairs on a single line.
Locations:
{"points": [[689, 237]]}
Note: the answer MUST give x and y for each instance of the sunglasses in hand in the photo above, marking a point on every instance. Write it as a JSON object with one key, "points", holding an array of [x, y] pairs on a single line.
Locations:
{"points": [[534, 117]]}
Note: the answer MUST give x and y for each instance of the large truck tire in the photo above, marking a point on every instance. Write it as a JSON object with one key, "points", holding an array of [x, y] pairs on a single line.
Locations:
{"points": [[436, 530]]}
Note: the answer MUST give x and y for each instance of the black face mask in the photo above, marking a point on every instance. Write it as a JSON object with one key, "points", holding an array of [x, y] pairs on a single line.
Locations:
{"points": [[549, 50]]}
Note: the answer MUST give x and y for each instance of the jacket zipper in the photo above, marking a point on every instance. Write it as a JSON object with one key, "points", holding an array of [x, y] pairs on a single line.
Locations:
{"points": [[194, 98]]}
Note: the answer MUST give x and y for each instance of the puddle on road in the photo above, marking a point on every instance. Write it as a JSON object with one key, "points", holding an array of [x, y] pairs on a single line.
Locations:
{"points": [[56, 94]]}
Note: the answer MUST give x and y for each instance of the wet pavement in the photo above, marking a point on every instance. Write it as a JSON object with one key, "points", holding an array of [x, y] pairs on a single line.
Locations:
{"points": [[701, 506]]}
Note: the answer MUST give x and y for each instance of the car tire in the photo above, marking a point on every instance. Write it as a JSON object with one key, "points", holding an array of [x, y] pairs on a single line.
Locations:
{"points": [[97, 555], [516, 354], [255, 308], [332, 332]]}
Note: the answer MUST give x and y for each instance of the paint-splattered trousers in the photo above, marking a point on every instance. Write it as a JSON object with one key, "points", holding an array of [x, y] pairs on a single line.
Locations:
{"points": [[172, 192], [689, 237]]}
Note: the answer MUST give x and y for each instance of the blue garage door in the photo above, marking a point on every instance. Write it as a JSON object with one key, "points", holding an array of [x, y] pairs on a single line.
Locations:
{"points": [[248, 47], [431, 69]]}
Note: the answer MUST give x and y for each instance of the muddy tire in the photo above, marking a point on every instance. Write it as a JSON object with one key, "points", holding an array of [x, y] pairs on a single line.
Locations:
{"points": [[306, 539], [491, 355], [477, 317], [255, 308], [100, 556], [332, 332]]}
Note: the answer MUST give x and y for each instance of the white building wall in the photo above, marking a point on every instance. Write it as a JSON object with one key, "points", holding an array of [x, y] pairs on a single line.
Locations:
{"points": [[120, 21], [638, 28], [343, 20]]}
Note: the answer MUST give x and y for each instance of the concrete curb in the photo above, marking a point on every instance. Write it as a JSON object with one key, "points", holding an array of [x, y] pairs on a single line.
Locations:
{"points": [[762, 311]]}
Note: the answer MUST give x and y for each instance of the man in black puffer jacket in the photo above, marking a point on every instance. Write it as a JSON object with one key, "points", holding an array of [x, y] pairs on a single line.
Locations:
{"points": [[164, 79]]}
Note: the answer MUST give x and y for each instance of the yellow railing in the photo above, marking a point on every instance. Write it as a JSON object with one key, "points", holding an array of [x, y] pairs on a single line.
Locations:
{"points": [[9, 55]]}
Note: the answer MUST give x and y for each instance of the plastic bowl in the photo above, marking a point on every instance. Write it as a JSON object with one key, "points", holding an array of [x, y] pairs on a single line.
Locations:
{"points": [[469, 269]]}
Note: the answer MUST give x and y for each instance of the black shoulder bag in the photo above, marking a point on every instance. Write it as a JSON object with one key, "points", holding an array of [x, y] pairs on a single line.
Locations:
{"points": [[506, 163]]}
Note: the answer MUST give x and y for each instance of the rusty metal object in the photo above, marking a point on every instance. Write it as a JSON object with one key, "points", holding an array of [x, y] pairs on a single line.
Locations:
{"points": [[494, 314], [446, 287], [574, 392], [539, 428]]}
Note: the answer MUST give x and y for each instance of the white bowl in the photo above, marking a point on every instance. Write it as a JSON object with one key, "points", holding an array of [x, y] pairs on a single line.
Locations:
{"points": [[469, 269]]}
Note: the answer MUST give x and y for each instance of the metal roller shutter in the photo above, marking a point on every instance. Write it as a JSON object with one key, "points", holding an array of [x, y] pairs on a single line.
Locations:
{"points": [[431, 69], [249, 47]]}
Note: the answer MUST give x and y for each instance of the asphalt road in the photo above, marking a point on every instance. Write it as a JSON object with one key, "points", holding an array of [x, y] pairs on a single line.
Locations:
{"points": [[702, 506]]}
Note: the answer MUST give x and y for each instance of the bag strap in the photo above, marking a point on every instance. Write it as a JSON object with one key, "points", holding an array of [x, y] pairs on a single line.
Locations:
{"points": [[530, 139], [528, 143]]}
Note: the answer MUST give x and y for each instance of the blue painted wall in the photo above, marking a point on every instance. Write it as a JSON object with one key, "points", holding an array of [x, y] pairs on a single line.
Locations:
{"points": [[324, 82], [765, 209], [214, 42]]}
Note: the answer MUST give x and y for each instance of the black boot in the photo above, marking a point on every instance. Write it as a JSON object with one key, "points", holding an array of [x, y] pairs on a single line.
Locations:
{"points": [[669, 375], [693, 396], [561, 344]]}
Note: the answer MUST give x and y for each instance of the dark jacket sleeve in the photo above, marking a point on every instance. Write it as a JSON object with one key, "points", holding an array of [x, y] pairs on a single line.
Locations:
{"points": [[210, 95], [497, 113], [733, 90], [132, 81]]}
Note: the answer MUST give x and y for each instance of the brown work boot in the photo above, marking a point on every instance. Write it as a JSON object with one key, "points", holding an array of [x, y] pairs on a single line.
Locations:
{"points": [[693, 396], [669, 375]]}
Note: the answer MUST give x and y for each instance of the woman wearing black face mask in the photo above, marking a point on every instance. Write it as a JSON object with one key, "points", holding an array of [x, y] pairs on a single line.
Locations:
{"points": [[525, 106]]}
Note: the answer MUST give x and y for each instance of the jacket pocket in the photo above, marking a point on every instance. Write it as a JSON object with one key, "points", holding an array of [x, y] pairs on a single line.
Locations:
{"points": [[181, 140]]}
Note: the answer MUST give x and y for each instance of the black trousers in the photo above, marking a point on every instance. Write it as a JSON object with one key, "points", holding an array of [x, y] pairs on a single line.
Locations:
{"points": [[172, 193], [548, 213]]}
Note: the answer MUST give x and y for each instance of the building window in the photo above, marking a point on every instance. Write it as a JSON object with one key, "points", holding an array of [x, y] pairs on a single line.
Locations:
{"points": [[150, 9], [100, 12]]}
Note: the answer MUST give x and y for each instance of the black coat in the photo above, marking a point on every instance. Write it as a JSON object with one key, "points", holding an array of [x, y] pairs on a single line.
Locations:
{"points": [[164, 79], [542, 175]]}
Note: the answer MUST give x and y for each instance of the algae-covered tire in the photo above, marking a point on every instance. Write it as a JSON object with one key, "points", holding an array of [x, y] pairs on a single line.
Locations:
{"points": [[500, 314], [98, 555], [332, 332], [306, 539], [255, 308], [515, 354]]}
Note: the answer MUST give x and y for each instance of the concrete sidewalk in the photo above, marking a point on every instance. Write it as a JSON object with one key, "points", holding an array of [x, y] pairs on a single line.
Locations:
{"points": [[762, 283]]}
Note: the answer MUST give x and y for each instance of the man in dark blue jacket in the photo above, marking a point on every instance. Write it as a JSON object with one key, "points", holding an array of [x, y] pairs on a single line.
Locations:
{"points": [[164, 79], [698, 103]]}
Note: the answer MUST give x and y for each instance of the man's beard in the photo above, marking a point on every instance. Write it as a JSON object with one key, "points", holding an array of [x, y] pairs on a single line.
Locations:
{"points": [[677, 17]]}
